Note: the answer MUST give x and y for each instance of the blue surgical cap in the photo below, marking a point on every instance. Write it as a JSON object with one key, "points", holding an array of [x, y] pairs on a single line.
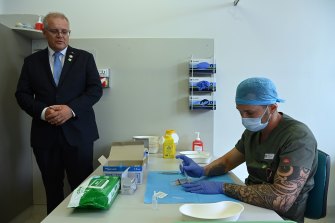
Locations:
{"points": [[257, 91]]}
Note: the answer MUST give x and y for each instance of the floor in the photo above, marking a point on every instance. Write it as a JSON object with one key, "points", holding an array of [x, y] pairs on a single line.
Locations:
{"points": [[36, 213], [33, 214], [323, 220]]}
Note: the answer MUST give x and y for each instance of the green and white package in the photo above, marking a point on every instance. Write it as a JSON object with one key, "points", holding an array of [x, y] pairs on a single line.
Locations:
{"points": [[96, 192]]}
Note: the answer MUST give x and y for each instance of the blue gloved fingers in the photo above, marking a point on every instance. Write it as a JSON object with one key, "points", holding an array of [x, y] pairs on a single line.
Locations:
{"points": [[186, 160], [192, 167], [204, 187], [192, 187], [189, 167], [194, 170]]}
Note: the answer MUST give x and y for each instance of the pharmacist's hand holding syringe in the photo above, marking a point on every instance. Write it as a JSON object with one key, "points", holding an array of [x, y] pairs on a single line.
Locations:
{"points": [[190, 168]]}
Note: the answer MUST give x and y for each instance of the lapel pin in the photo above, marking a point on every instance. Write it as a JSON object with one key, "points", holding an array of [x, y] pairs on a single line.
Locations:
{"points": [[70, 56]]}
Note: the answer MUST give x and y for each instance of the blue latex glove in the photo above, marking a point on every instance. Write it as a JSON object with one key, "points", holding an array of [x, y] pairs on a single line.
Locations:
{"points": [[190, 168], [204, 187]]}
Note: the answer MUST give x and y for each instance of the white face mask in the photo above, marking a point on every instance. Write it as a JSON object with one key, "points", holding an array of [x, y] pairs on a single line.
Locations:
{"points": [[255, 124]]}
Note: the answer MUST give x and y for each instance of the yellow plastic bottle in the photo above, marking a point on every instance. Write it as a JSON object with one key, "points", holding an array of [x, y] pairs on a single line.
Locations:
{"points": [[169, 146]]}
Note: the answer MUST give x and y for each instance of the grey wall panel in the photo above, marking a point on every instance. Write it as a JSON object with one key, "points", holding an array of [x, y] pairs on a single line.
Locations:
{"points": [[149, 89], [15, 158]]}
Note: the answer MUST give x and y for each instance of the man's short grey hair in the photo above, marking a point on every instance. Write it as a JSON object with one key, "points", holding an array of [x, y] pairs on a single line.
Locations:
{"points": [[53, 15]]}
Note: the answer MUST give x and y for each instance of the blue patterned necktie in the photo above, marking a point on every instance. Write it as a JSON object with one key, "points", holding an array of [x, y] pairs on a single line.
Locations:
{"points": [[57, 67]]}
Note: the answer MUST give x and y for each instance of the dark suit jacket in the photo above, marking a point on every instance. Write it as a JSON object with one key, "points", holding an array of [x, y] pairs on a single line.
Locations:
{"points": [[79, 87]]}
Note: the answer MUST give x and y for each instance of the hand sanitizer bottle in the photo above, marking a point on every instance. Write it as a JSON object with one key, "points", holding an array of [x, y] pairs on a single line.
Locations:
{"points": [[39, 24], [197, 144]]}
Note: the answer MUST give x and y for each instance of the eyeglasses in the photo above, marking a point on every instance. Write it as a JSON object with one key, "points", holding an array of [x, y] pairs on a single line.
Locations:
{"points": [[63, 32]]}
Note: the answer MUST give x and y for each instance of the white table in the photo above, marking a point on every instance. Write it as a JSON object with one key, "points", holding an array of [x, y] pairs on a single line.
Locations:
{"points": [[131, 208]]}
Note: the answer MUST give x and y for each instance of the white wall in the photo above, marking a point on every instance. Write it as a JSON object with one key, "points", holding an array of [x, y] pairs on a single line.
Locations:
{"points": [[289, 41]]}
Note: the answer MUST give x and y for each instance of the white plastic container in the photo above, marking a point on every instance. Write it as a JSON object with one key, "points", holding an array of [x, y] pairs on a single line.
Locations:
{"points": [[198, 156], [150, 142]]}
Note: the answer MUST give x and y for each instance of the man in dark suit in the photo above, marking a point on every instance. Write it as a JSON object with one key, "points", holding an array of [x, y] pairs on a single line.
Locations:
{"points": [[58, 87]]}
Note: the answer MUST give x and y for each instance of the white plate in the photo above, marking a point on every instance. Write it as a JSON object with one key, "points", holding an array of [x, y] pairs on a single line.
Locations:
{"points": [[198, 157], [224, 211]]}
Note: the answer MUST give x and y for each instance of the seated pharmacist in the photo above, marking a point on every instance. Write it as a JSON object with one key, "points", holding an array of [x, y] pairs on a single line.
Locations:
{"points": [[279, 152]]}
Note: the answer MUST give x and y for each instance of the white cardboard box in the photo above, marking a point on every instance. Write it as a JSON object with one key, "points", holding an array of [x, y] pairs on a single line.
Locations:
{"points": [[131, 154]]}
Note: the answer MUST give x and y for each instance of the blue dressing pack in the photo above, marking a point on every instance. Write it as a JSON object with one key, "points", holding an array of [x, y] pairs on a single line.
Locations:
{"points": [[165, 181]]}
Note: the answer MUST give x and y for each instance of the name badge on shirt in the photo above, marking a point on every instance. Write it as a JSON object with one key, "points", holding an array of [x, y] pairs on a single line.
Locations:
{"points": [[269, 156]]}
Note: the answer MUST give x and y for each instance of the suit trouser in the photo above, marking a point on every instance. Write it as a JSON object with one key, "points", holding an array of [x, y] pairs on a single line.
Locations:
{"points": [[61, 157]]}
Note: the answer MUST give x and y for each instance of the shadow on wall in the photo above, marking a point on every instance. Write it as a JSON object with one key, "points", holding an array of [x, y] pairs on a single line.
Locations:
{"points": [[15, 151]]}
